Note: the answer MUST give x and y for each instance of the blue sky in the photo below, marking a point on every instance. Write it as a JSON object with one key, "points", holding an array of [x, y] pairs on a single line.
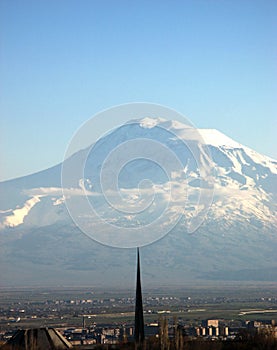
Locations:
{"points": [[63, 61]]}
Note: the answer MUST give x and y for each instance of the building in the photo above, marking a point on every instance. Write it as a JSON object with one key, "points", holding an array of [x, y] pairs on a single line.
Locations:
{"points": [[37, 339], [139, 321]]}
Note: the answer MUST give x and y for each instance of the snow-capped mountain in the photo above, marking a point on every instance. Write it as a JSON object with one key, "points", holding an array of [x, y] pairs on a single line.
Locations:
{"points": [[236, 239]]}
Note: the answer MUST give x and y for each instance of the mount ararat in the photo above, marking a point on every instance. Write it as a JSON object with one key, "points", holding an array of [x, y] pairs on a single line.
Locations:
{"points": [[237, 240]]}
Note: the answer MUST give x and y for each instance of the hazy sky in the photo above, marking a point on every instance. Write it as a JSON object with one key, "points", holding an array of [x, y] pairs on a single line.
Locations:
{"points": [[63, 61]]}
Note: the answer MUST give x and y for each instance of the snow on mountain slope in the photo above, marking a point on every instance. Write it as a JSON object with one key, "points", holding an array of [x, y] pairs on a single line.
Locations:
{"points": [[17, 216], [240, 174], [215, 138], [238, 234]]}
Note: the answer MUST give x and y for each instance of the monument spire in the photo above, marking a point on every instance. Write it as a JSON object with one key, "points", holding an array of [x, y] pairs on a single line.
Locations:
{"points": [[139, 322]]}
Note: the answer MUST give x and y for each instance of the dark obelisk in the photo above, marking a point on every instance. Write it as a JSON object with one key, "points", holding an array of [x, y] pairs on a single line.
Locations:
{"points": [[139, 322]]}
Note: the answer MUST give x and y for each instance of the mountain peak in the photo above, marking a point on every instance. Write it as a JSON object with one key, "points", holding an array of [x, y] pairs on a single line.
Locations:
{"points": [[149, 123], [212, 137], [216, 138]]}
